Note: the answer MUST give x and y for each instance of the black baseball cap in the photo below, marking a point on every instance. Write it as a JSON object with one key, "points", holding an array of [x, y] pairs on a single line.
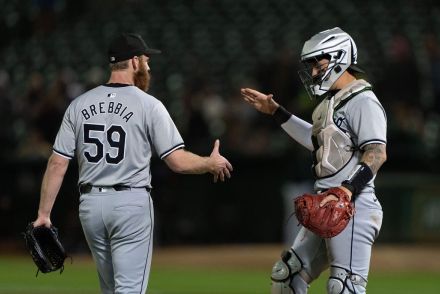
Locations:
{"points": [[128, 45]]}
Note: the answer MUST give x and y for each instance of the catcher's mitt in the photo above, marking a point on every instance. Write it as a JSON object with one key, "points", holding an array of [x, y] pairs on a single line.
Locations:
{"points": [[329, 220], [45, 248]]}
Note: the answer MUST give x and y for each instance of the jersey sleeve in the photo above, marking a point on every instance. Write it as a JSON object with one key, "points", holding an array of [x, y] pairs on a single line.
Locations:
{"points": [[163, 132], [65, 140], [367, 120]]}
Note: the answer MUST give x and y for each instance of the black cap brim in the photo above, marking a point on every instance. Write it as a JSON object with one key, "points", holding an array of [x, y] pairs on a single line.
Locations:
{"points": [[125, 56], [152, 51]]}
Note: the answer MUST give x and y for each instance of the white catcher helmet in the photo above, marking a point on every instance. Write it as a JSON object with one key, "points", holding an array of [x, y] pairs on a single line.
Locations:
{"points": [[335, 45]]}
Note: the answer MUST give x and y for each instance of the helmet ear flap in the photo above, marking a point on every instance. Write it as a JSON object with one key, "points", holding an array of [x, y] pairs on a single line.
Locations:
{"points": [[353, 55]]}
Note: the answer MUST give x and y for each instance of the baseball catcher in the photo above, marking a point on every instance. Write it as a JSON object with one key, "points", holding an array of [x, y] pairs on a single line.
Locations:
{"points": [[347, 140], [45, 248]]}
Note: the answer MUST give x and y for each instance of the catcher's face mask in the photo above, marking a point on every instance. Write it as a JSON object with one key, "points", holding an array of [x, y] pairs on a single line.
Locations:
{"points": [[314, 71]]}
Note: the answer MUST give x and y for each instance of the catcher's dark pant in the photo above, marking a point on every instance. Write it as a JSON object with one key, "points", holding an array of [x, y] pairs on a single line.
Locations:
{"points": [[350, 250], [118, 226]]}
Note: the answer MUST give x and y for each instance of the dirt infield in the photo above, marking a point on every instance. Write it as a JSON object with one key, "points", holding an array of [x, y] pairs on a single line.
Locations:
{"points": [[385, 257]]}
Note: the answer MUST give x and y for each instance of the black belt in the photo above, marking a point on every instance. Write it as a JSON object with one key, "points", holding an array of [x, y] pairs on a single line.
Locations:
{"points": [[87, 188]]}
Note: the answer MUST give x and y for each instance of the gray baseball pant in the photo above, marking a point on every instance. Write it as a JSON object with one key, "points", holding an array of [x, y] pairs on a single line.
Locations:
{"points": [[118, 226]]}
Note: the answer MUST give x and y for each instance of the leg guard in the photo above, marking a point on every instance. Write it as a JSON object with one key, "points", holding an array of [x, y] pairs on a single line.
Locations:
{"points": [[342, 281], [283, 272]]}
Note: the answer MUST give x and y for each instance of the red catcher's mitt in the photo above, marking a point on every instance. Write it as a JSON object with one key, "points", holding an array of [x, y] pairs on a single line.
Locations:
{"points": [[329, 220]]}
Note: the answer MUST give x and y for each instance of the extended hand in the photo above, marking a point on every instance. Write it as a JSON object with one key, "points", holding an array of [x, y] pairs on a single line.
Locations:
{"points": [[262, 102], [220, 166]]}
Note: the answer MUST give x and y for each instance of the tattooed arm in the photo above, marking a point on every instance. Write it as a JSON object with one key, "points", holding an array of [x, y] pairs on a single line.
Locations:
{"points": [[374, 156]]}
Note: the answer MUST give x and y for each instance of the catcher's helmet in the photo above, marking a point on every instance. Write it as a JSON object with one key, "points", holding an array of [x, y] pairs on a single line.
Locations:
{"points": [[335, 45]]}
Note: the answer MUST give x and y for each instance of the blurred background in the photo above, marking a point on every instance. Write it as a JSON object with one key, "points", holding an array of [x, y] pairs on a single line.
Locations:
{"points": [[53, 50]]}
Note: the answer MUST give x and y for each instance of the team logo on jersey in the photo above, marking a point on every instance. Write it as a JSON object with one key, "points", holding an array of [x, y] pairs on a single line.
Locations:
{"points": [[339, 121], [111, 95]]}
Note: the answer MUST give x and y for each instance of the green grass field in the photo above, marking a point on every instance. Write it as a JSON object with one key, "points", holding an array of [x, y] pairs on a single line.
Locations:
{"points": [[17, 275]]}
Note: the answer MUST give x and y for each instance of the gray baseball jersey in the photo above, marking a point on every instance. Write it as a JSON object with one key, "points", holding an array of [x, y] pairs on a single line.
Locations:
{"points": [[110, 130]]}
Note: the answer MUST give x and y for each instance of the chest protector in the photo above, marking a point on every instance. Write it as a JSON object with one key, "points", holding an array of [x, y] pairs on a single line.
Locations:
{"points": [[333, 147]]}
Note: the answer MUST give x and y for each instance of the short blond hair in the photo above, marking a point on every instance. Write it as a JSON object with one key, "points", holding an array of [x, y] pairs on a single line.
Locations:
{"points": [[121, 65]]}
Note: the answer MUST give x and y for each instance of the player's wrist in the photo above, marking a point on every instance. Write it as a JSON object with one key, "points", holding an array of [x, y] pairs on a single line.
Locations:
{"points": [[273, 106], [43, 214], [210, 165], [361, 175], [281, 115]]}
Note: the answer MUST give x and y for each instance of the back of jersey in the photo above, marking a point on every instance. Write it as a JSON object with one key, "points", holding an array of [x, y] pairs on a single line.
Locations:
{"points": [[112, 130]]}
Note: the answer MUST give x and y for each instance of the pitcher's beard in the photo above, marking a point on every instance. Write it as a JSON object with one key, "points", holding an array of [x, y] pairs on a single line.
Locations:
{"points": [[142, 78]]}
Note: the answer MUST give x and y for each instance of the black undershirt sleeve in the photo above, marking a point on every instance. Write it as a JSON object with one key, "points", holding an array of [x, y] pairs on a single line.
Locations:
{"points": [[281, 115]]}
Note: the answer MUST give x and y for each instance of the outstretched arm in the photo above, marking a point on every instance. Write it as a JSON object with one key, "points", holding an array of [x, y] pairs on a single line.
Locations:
{"points": [[52, 180], [298, 129], [185, 162]]}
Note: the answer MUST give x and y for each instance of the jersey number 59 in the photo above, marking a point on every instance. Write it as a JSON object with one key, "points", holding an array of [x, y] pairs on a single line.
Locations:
{"points": [[118, 143]]}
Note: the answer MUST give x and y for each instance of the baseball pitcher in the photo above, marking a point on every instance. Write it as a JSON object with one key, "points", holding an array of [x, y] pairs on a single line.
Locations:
{"points": [[112, 131], [347, 139]]}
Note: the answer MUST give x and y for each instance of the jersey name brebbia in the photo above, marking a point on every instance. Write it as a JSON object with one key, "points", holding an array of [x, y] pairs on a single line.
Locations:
{"points": [[102, 107]]}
